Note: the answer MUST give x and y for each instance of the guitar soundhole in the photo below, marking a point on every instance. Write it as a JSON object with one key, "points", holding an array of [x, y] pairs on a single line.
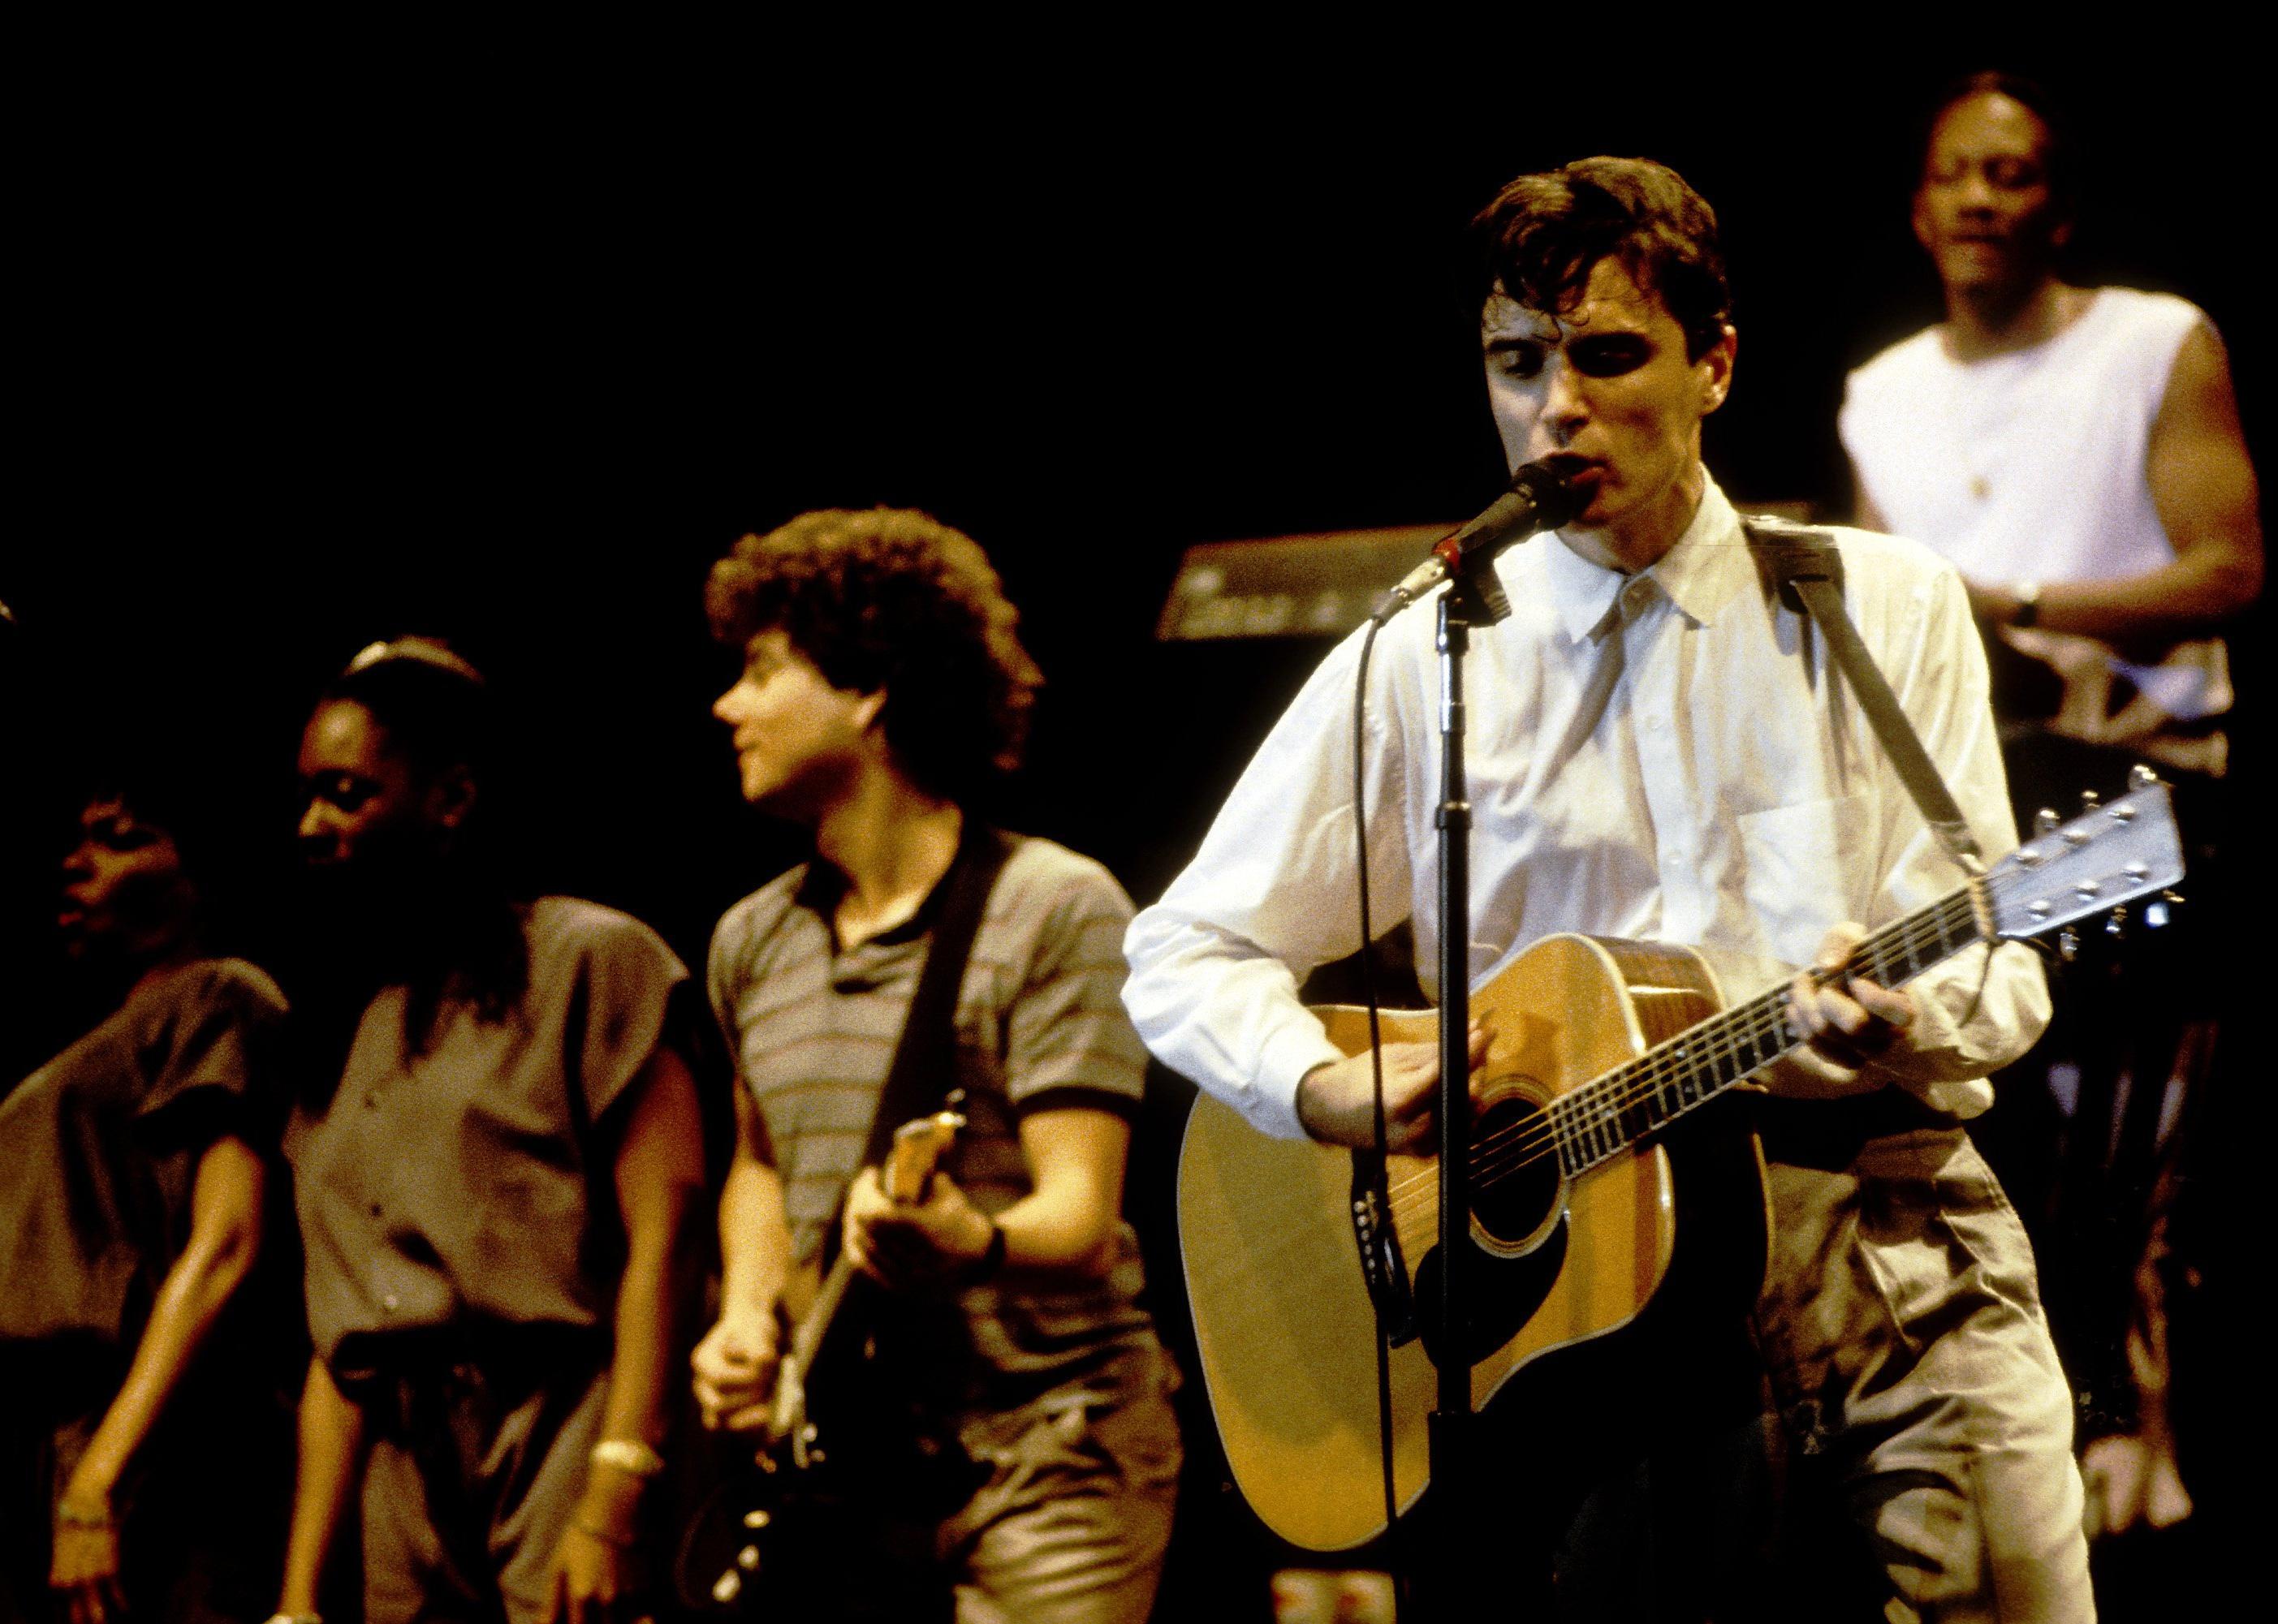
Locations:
{"points": [[1513, 1173]]}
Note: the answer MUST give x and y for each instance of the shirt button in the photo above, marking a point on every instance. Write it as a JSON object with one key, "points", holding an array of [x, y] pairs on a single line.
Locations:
{"points": [[389, 1302]]}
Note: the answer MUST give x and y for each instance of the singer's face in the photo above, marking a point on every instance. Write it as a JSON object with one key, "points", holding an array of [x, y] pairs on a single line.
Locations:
{"points": [[1606, 385], [1984, 208], [798, 740]]}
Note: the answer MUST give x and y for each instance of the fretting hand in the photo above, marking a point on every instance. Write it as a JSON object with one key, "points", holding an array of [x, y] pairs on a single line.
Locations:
{"points": [[906, 1244], [1847, 1022]]}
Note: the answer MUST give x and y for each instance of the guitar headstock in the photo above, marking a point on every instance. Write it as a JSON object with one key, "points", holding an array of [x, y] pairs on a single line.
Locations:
{"points": [[917, 1150], [2108, 856]]}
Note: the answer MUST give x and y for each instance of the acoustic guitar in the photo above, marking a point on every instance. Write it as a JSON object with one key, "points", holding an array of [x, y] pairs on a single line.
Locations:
{"points": [[1604, 1052]]}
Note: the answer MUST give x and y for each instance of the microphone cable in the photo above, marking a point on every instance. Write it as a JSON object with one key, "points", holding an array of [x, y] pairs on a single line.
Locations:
{"points": [[1394, 1539]]}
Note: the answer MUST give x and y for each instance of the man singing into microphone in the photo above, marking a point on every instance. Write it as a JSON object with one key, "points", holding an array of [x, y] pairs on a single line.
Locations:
{"points": [[1658, 753]]}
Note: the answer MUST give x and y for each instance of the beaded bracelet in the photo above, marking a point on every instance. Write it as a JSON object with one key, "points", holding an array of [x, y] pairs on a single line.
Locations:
{"points": [[630, 1455]]}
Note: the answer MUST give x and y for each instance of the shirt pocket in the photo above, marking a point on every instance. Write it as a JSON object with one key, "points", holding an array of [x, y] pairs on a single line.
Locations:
{"points": [[1799, 860]]}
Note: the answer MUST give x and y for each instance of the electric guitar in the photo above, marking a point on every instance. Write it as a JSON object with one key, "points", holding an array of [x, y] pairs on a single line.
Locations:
{"points": [[774, 1517], [1602, 1051]]}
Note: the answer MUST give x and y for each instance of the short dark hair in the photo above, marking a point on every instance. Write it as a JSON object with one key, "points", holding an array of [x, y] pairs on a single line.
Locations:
{"points": [[1538, 240], [433, 704], [892, 599], [2037, 99]]}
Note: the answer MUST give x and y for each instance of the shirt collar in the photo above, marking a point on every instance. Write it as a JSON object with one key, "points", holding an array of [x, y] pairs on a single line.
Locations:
{"points": [[1710, 562], [1698, 575]]}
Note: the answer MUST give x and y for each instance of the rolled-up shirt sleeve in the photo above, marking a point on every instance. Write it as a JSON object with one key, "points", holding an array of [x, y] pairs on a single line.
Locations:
{"points": [[1984, 1007], [1270, 896]]}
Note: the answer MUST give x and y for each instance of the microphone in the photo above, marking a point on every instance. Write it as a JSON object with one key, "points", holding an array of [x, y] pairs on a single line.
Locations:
{"points": [[1540, 498]]}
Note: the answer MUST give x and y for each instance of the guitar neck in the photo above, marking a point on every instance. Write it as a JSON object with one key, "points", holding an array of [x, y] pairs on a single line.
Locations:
{"points": [[816, 1324], [1609, 1114]]}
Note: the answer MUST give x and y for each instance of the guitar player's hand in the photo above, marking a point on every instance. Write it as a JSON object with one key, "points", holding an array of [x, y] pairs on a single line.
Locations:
{"points": [[906, 1244], [734, 1367], [1847, 1023], [1336, 1103]]}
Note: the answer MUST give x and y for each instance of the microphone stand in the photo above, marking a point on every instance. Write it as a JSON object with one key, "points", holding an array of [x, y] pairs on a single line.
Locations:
{"points": [[1473, 596]]}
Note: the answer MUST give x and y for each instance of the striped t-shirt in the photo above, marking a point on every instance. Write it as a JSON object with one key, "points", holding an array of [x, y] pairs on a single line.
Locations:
{"points": [[1040, 1024]]}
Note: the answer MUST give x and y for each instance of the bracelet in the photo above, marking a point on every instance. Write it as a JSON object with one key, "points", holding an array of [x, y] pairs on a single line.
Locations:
{"points": [[630, 1455], [992, 1259], [70, 1516]]}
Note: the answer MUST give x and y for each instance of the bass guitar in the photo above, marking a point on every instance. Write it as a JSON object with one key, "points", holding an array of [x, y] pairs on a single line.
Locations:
{"points": [[768, 1520], [1602, 1050]]}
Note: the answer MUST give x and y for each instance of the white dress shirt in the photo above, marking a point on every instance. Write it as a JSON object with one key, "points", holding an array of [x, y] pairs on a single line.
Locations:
{"points": [[1654, 757]]}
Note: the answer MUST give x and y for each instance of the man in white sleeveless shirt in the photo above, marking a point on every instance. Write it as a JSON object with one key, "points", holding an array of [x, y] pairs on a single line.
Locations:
{"points": [[2075, 451]]}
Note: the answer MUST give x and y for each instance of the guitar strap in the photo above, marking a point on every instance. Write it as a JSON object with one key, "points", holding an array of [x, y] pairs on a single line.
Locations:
{"points": [[928, 1476], [1806, 568], [924, 1067]]}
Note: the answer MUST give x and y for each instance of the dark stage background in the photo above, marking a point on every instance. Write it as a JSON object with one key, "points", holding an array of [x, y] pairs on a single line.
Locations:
{"points": [[508, 351]]}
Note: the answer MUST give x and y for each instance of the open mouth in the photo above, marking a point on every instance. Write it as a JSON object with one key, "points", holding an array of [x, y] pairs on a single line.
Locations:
{"points": [[1584, 474]]}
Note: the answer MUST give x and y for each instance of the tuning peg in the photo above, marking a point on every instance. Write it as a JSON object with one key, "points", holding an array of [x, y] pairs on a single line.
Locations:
{"points": [[2115, 924], [2045, 821], [2068, 944], [2089, 800], [2141, 777], [2160, 910], [748, 1557], [727, 1586]]}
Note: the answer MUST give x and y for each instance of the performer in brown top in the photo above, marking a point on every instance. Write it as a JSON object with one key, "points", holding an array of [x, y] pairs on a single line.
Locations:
{"points": [[145, 1448], [492, 1197]]}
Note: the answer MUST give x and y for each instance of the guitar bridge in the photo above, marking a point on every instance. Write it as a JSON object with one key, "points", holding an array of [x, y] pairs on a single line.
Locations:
{"points": [[1381, 1263]]}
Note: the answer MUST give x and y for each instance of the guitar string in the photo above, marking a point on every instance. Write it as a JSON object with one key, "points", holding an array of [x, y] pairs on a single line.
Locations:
{"points": [[1508, 1150], [1504, 1152], [1650, 1072], [1601, 1101], [1745, 1024]]}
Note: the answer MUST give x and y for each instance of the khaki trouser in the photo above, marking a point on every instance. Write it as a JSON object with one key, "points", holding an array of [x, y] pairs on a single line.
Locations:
{"points": [[1902, 1331], [1071, 1524], [468, 1489]]}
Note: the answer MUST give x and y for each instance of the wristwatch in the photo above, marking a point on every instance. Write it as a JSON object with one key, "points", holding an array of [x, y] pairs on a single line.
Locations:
{"points": [[986, 1266], [2028, 611]]}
